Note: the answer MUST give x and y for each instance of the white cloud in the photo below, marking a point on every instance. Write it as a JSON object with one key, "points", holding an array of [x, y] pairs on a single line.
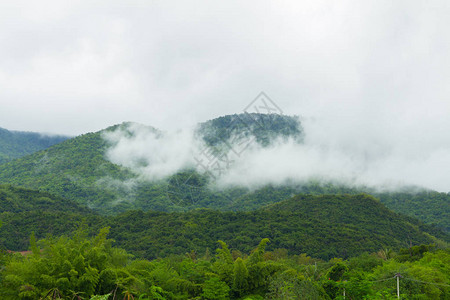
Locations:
{"points": [[150, 153]]}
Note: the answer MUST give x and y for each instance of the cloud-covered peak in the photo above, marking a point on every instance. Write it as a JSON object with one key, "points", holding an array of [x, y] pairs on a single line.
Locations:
{"points": [[236, 150]]}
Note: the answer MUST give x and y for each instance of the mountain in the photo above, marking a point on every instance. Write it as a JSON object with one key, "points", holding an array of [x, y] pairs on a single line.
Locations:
{"points": [[78, 169], [70, 169], [428, 206], [15, 144]]}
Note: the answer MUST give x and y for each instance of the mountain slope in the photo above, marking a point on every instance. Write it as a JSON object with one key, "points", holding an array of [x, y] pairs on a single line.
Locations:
{"points": [[15, 144], [322, 226], [77, 169], [428, 206], [70, 169], [265, 128], [17, 200], [23, 211]]}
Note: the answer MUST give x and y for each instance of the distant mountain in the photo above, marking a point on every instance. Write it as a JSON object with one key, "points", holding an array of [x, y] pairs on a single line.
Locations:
{"points": [[77, 169], [15, 144]]}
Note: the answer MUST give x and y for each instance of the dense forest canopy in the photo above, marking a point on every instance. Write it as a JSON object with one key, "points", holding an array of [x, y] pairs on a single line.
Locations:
{"points": [[322, 226]]}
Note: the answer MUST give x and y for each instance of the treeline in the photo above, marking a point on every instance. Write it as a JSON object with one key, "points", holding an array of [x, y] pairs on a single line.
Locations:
{"points": [[79, 267]]}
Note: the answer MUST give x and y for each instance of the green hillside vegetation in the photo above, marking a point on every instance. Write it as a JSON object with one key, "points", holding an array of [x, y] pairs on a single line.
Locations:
{"points": [[15, 144], [79, 267], [264, 127], [314, 240], [322, 226], [77, 170], [429, 206], [16, 200], [72, 169], [23, 211]]}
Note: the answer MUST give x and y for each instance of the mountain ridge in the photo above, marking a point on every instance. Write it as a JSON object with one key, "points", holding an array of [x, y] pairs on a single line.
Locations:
{"points": [[15, 144], [77, 169]]}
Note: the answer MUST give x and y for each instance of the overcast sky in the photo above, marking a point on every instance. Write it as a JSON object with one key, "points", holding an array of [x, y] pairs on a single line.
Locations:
{"points": [[370, 79], [77, 66]]}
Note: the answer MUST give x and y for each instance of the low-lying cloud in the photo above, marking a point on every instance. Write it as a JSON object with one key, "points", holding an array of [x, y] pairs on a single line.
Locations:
{"points": [[384, 161], [150, 153]]}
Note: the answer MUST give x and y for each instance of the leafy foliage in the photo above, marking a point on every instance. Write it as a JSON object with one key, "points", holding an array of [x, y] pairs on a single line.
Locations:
{"points": [[75, 266], [79, 267], [24, 211], [17, 200]]}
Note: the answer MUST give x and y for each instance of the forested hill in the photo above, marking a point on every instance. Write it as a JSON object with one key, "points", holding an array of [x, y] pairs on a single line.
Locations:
{"points": [[15, 144], [23, 211], [78, 170], [17, 200], [322, 226], [264, 127], [72, 169]]}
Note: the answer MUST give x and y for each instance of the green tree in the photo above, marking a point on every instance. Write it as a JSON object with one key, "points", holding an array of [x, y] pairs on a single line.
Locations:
{"points": [[240, 276], [65, 265], [224, 263], [215, 289]]}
